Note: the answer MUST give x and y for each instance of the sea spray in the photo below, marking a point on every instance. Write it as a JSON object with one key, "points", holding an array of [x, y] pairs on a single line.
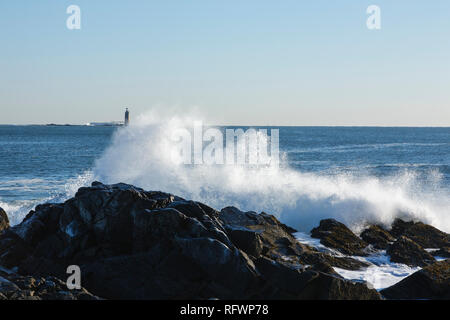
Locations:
{"points": [[141, 155]]}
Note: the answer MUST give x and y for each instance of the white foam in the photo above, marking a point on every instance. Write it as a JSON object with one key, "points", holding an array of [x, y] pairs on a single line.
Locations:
{"points": [[381, 273], [17, 210], [140, 154], [379, 276]]}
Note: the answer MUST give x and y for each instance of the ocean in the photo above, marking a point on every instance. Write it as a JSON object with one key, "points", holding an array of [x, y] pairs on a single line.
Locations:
{"points": [[357, 175]]}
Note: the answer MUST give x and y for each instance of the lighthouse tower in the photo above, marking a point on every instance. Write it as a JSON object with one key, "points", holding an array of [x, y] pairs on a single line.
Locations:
{"points": [[127, 117]]}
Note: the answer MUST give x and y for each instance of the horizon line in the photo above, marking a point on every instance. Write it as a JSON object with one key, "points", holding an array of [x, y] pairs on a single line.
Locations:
{"points": [[239, 125]]}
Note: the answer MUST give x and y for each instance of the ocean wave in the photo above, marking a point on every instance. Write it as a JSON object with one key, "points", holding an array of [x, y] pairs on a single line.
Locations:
{"points": [[141, 155], [55, 191], [18, 209]]}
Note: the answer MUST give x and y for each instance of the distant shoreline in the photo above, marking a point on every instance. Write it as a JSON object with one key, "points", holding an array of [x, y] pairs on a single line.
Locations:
{"points": [[227, 125], [64, 125]]}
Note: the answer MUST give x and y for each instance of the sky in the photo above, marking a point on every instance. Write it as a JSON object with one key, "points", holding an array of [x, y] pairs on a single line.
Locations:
{"points": [[239, 62]]}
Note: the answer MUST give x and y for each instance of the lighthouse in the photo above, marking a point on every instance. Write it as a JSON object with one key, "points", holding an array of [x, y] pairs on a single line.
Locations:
{"points": [[127, 117]]}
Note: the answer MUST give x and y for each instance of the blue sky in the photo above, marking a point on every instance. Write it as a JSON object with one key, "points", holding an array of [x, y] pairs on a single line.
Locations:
{"points": [[287, 62]]}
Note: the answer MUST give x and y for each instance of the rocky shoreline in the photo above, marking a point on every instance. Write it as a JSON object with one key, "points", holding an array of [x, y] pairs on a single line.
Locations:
{"points": [[135, 244]]}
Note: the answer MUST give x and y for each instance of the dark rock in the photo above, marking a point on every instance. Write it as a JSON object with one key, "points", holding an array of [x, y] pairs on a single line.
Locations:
{"points": [[233, 216], [334, 234], [137, 244], [432, 282], [424, 235], [4, 221], [406, 251], [282, 282], [12, 249], [377, 236], [328, 287], [247, 240], [206, 215], [197, 269], [310, 284], [260, 234]]}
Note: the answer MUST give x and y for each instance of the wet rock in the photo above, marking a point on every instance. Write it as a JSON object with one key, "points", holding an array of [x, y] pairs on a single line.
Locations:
{"points": [[377, 236], [406, 251], [334, 234], [281, 278], [4, 221], [432, 282], [247, 240], [425, 235], [260, 234], [328, 287], [309, 284], [233, 216], [196, 269]]}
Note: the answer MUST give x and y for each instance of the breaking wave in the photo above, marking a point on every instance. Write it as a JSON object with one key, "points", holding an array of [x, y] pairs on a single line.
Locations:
{"points": [[141, 155]]}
